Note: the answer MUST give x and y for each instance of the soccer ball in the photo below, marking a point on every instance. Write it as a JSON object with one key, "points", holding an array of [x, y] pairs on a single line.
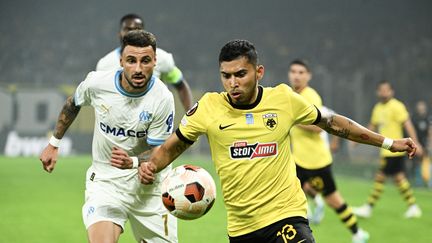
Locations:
{"points": [[188, 192]]}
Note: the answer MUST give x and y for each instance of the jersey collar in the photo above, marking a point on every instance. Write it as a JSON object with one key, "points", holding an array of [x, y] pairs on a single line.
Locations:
{"points": [[248, 106], [128, 94]]}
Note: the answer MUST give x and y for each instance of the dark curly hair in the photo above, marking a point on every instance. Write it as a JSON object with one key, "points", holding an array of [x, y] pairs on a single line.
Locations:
{"points": [[238, 48], [138, 38]]}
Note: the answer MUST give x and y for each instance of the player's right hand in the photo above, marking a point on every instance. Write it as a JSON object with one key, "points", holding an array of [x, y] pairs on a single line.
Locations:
{"points": [[48, 158], [146, 172], [404, 145]]}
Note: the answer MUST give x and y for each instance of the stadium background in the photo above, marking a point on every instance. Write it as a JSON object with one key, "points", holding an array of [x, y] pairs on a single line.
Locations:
{"points": [[47, 47]]}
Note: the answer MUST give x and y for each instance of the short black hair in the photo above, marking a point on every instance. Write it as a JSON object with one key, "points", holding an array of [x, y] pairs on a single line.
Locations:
{"points": [[238, 48], [138, 38], [301, 62], [130, 17], [384, 81]]}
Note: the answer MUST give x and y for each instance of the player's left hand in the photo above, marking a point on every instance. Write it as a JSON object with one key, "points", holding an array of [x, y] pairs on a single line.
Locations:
{"points": [[120, 159], [404, 145]]}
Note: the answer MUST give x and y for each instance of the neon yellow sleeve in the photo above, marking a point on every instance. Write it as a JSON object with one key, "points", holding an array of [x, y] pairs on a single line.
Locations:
{"points": [[173, 77]]}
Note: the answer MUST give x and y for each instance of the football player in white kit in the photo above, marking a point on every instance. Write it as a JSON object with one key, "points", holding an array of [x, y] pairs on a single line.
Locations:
{"points": [[165, 68], [134, 114]]}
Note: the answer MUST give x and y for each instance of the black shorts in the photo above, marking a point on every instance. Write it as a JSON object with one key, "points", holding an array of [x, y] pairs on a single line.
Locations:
{"points": [[320, 179], [392, 165], [294, 229]]}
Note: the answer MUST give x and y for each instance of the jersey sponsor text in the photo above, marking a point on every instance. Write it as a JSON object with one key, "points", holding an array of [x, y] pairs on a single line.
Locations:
{"points": [[119, 131], [241, 150]]}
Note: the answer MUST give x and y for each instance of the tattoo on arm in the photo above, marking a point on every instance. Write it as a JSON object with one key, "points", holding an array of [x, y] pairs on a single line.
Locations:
{"points": [[330, 126], [144, 156], [346, 128], [180, 148], [66, 117]]}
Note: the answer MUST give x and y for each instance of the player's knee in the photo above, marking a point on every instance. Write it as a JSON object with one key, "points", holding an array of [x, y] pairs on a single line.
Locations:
{"points": [[334, 200], [104, 232]]}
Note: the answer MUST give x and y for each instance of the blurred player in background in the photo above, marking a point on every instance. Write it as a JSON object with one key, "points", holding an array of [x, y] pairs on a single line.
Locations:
{"points": [[313, 157], [248, 129], [420, 171], [390, 118], [134, 114], [165, 68]]}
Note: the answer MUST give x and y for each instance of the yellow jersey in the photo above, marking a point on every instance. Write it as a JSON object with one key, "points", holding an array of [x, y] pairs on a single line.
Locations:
{"points": [[389, 118], [310, 151], [250, 148]]}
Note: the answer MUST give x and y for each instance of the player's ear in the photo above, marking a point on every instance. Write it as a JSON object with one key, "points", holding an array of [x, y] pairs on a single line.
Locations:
{"points": [[121, 62], [260, 72]]}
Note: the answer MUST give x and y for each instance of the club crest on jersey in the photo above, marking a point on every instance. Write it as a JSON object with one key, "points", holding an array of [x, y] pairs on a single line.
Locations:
{"points": [[145, 116], [243, 150], [270, 121]]}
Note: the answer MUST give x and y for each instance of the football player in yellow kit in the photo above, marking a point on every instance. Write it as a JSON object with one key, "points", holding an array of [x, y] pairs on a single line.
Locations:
{"points": [[313, 157], [390, 118], [248, 130]]}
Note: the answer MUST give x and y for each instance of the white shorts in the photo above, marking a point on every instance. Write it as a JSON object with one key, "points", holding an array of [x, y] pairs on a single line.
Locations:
{"points": [[148, 217]]}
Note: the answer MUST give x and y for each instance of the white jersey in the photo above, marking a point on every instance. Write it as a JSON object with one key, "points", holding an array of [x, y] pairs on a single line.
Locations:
{"points": [[164, 62], [132, 122]]}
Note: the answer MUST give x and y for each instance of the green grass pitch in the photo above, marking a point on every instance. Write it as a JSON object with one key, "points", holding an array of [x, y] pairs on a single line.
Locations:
{"points": [[39, 207]]}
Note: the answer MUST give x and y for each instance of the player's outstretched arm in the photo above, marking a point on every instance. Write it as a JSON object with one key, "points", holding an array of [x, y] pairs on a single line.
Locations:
{"points": [[346, 128], [161, 157], [67, 115]]}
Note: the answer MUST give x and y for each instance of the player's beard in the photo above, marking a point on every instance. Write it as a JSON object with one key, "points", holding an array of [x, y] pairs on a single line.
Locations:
{"points": [[246, 97], [138, 75]]}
